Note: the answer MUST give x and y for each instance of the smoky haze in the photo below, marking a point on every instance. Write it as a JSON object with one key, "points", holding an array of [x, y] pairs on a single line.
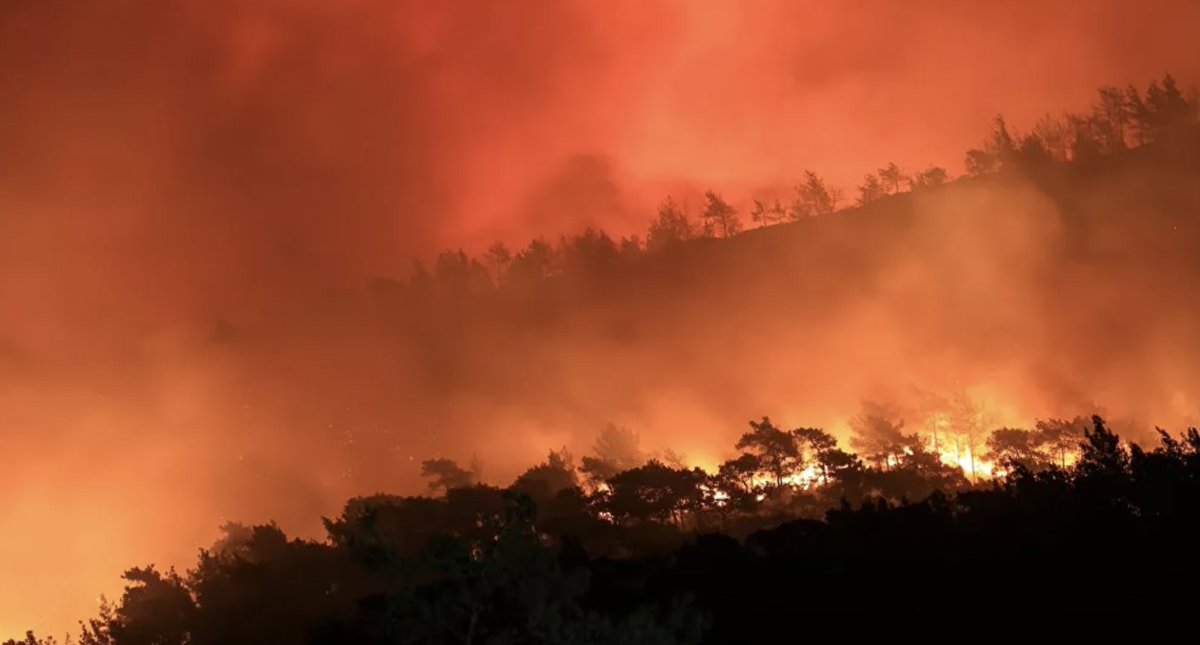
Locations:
{"points": [[194, 195]]}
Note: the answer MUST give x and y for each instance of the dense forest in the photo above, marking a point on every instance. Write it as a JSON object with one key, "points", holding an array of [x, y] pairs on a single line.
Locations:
{"points": [[607, 552], [1120, 120], [1020, 276], [928, 514]]}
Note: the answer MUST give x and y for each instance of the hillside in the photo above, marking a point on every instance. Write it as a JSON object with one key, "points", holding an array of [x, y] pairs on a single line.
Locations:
{"points": [[1044, 291]]}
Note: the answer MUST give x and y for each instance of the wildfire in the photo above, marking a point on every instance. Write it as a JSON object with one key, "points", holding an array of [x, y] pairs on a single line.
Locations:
{"points": [[805, 478], [974, 467]]}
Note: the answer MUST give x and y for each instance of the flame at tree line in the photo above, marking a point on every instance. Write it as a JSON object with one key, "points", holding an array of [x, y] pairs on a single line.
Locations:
{"points": [[776, 461], [955, 424], [667, 544], [942, 307], [208, 250]]}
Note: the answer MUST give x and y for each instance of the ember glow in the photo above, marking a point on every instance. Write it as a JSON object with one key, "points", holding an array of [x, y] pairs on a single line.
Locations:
{"points": [[210, 213]]}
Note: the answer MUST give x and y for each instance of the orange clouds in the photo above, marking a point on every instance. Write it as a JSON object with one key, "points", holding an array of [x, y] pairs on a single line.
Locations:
{"points": [[167, 164]]}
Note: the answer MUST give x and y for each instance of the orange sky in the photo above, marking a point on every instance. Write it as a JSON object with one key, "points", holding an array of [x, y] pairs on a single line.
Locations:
{"points": [[163, 164]]}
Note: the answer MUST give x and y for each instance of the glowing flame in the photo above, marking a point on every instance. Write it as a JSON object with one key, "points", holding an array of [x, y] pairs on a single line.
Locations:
{"points": [[978, 468]]}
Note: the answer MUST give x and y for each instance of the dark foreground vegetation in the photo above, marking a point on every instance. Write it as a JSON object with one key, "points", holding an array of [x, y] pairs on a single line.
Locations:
{"points": [[792, 538], [653, 555]]}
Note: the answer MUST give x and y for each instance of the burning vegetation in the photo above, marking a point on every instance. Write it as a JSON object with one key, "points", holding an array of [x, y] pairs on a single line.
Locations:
{"points": [[947, 342], [223, 299], [659, 553]]}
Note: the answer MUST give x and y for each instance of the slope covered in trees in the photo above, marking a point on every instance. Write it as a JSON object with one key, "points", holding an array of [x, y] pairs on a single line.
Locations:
{"points": [[1048, 280], [922, 330], [663, 554]]}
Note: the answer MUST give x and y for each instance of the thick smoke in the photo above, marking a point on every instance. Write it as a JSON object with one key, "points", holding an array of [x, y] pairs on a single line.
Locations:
{"points": [[165, 166]]}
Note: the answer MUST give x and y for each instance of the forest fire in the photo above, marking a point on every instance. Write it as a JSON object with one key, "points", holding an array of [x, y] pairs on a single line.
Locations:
{"points": [[975, 468], [629, 299]]}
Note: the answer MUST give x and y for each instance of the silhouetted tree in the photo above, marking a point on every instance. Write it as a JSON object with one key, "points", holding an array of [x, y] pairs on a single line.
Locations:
{"points": [[155, 608], [533, 264], [765, 215], [1164, 111], [378, 530], [870, 190], [1061, 437], [1018, 446], [821, 446], [816, 439], [980, 162], [842, 470], [1055, 135], [998, 151], [257, 586], [777, 451], [920, 473], [512, 589], [446, 474], [591, 253], [654, 492], [814, 198], [492, 566], [457, 273], [966, 423], [1001, 143], [878, 434], [1112, 115], [931, 177], [546, 479], [737, 474], [719, 217], [499, 257], [1084, 141], [892, 177], [670, 227], [597, 470], [1032, 152], [1101, 453], [630, 246]]}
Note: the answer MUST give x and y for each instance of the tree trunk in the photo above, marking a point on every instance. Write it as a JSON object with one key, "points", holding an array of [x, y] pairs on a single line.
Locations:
{"points": [[971, 448]]}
